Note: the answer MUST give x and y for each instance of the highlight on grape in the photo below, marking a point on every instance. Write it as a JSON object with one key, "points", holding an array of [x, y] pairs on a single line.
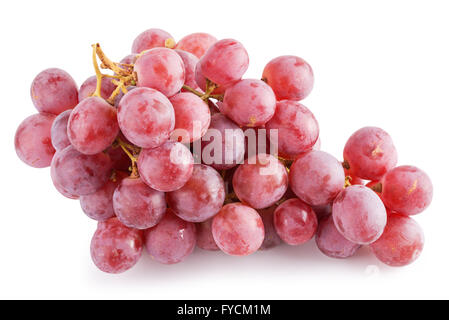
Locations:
{"points": [[171, 149]]}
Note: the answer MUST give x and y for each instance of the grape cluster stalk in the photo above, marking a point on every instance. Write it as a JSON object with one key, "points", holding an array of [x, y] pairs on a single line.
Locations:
{"points": [[172, 149]]}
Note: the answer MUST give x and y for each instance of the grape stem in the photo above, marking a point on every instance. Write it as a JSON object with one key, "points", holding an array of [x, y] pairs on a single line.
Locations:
{"points": [[109, 64], [133, 156], [98, 74], [347, 182], [346, 165], [377, 187]]}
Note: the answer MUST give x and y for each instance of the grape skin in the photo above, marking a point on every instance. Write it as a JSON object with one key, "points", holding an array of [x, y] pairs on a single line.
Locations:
{"points": [[260, 181], [271, 238], [92, 126], [32, 140], [59, 136], [149, 39], [120, 96], [172, 240], [201, 197], [196, 43], [295, 222], [146, 117], [89, 86], [249, 102], [370, 153], [316, 178], [238, 229], [54, 91], [190, 61], [161, 69], [407, 189], [166, 168], [359, 214], [298, 130], [115, 248], [290, 77], [204, 238]]}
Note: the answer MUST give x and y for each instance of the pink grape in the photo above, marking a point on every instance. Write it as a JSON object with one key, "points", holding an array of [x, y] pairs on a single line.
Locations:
{"points": [[61, 189], [317, 178], [196, 43], [137, 205], [295, 222], [192, 117], [80, 174], [89, 86], [190, 61], [260, 181], [331, 242], [92, 126], [201, 197], [59, 136], [166, 168], [146, 117], [401, 243], [149, 39], [224, 62], [370, 153], [161, 69], [249, 102], [231, 142], [271, 238], [116, 248], [202, 83], [359, 214], [33, 140], [204, 238], [172, 240], [297, 128], [54, 91], [290, 77], [407, 190], [238, 229]]}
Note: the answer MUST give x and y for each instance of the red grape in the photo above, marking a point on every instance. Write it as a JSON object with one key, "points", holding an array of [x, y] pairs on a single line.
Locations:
{"points": [[33, 140], [196, 43], [271, 238], [89, 86], [290, 77], [190, 61], [172, 240], [149, 39], [59, 137], [238, 229], [359, 214], [54, 91], [204, 238], [61, 189]]}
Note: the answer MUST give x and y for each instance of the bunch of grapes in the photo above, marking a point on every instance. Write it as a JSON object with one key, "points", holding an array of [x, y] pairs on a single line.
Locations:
{"points": [[172, 149]]}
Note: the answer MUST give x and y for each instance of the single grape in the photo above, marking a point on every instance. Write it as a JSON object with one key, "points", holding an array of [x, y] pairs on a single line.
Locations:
{"points": [[359, 214], [149, 39], [196, 43], [249, 102], [401, 243], [116, 248], [238, 229], [146, 117], [201, 197], [204, 238], [92, 126], [260, 181], [290, 77], [80, 174], [59, 137], [33, 140], [61, 189], [317, 178], [224, 62], [297, 129], [190, 61], [166, 168], [271, 238], [89, 86], [295, 222], [407, 189], [54, 91], [370, 153], [161, 69], [172, 240], [223, 145], [331, 242]]}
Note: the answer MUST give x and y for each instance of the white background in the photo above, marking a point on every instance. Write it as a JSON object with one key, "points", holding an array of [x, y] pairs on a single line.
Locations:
{"points": [[381, 63]]}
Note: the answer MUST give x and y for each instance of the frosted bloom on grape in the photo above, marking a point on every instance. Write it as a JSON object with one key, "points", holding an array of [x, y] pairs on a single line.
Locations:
{"points": [[59, 137], [260, 181], [407, 189], [271, 238], [249, 102], [196, 43], [317, 178], [297, 128], [161, 69], [54, 91], [204, 238], [33, 140], [290, 77], [359, 214], [149, 39], [89, 86], [190, 61], [401, 243], [238, 229], [225, 62]]}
